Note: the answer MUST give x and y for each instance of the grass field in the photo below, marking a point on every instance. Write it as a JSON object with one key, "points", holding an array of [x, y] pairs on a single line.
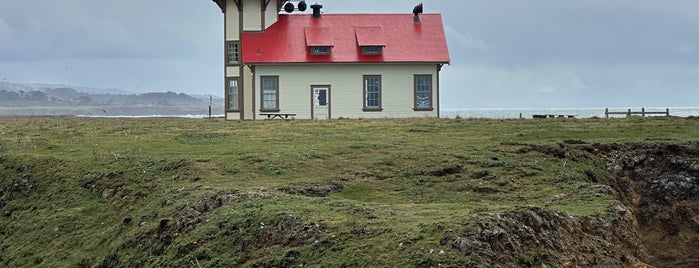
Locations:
{"points": [[211, 193]]}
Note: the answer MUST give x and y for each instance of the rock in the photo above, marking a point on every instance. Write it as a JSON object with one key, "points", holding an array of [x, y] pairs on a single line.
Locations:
{"points": [[536, 236], [163, 223]]}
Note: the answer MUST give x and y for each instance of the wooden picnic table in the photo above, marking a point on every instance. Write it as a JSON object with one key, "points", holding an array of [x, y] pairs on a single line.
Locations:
{"points": [[278, 115]]}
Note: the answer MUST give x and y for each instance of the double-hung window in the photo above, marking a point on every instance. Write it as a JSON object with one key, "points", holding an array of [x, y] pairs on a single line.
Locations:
{"points": [[232, 52], [233, 94], [372, 93], [270, 93], [423, 92]]}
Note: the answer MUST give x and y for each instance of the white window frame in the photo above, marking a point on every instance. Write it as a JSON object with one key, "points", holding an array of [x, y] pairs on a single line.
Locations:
{"points": [[269, 93]]}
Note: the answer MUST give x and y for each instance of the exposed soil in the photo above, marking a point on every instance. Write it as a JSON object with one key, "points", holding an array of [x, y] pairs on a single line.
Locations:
{"points": [[655, 223], [661, 185], [534, 237]]}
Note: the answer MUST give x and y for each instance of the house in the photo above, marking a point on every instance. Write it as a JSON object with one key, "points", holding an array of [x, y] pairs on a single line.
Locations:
{"points": [[325, 66]]}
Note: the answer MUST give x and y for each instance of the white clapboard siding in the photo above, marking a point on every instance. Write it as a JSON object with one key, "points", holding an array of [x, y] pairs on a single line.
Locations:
{"points": [[233, 116], [346, 88], [232, 71], [271, 15], [252, 16], [232, 21], [247, 94]]}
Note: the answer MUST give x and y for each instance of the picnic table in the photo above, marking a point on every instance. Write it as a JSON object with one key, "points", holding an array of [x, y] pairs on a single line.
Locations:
{"points": [[278, 115]]}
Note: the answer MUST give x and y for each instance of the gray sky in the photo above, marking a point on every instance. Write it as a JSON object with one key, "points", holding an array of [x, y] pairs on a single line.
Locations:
{"points": [[505, 53]]}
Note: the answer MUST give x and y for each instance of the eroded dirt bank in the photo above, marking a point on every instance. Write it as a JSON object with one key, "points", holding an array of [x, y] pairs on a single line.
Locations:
{"points": [[654, 223], [661, 186]]}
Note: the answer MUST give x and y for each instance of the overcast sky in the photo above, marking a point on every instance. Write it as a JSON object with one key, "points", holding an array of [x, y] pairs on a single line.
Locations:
{"points": [[505, 53]]}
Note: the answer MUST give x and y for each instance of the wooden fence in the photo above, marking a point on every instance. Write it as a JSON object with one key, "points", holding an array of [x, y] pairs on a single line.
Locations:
{"points": [[643, 112]]}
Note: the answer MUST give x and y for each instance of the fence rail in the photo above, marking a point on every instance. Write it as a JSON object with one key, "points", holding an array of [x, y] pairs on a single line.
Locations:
{"points": [[643, 112]]}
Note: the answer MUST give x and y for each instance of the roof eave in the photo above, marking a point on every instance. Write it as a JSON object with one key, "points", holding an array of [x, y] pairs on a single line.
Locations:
{"points": [[221, 4], [346, 62]]}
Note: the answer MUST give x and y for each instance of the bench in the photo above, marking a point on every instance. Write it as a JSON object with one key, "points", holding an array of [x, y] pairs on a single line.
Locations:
{"points": [[540, 116], [278, 116]]}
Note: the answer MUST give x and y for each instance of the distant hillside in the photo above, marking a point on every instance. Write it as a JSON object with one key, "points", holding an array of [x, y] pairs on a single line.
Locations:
{"points": [[31, 99], [13, 86]]}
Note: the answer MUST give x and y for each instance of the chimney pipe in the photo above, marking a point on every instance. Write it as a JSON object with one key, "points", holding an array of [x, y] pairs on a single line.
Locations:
{"points": [[417, 10], [316, 10]]}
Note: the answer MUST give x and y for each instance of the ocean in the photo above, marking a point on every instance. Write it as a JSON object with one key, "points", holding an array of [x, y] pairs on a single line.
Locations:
{"points": [[528, 113], [492, 113]]}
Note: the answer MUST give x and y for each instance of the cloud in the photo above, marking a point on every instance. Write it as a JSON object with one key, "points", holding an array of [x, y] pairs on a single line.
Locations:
{"points": [[466, 41], [506, 53], [73, 30], [687, 48], [7, 33], [570, 85]]}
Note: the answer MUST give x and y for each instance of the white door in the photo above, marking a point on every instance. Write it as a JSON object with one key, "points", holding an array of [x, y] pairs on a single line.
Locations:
{"points": [[321, 103]]}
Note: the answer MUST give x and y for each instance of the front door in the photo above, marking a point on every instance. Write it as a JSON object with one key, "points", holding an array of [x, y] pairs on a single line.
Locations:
{"points": [[320, 102]]}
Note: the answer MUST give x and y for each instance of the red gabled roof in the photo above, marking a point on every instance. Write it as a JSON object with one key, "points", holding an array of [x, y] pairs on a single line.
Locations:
{"points": [[370, 36], [288, 39], [318, 36]]}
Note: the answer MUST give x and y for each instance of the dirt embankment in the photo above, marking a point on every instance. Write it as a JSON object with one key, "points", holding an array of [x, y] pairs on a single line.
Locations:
{"points": [[655, 223], [661, 186]]}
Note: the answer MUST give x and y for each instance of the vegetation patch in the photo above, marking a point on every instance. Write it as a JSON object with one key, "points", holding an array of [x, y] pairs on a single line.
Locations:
{"points": [[91, 192]]}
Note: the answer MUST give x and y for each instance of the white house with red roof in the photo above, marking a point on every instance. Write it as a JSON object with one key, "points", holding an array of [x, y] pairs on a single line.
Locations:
{"points": [[326, 66]]}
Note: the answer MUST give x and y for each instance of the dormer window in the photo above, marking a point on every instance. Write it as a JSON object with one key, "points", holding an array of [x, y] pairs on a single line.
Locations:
{"points": [[372, 50], [319, 40], [370, 40], [320, 50]]}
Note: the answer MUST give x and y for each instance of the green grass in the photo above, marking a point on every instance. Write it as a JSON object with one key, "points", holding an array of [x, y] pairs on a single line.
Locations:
{"points": [[85, 192]]}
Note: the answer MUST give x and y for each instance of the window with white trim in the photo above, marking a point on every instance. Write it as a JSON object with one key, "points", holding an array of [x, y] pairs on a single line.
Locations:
{"points": [[372, 92], [233, 94], [423, 92], [270, 93], [232, 52]]}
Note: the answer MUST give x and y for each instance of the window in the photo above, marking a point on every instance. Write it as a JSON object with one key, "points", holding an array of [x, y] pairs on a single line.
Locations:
{"points": [[372, 50], [233, 93], [372, 93], [270, 93], [423, 92], [232, 53], [322, 50]]}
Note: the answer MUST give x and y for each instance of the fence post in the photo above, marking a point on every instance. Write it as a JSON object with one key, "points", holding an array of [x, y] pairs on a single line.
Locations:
{"points": [[643, 111]]}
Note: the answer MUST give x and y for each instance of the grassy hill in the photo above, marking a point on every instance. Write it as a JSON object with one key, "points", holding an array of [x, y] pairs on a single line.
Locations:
{"points": [[344, 193]]}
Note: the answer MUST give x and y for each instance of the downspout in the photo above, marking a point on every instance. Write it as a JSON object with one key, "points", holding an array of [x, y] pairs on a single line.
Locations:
{"points": [[254, 100], [222, 5], [439, 102]]}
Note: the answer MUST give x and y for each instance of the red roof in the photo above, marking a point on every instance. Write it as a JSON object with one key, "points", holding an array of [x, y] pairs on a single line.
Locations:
{"points": [[288, 40], [318, 36], [370, 36]]}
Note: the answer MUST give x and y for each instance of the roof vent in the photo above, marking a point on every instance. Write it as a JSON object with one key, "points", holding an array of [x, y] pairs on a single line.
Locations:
{"points": [[417, 10], [316, 10]]}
